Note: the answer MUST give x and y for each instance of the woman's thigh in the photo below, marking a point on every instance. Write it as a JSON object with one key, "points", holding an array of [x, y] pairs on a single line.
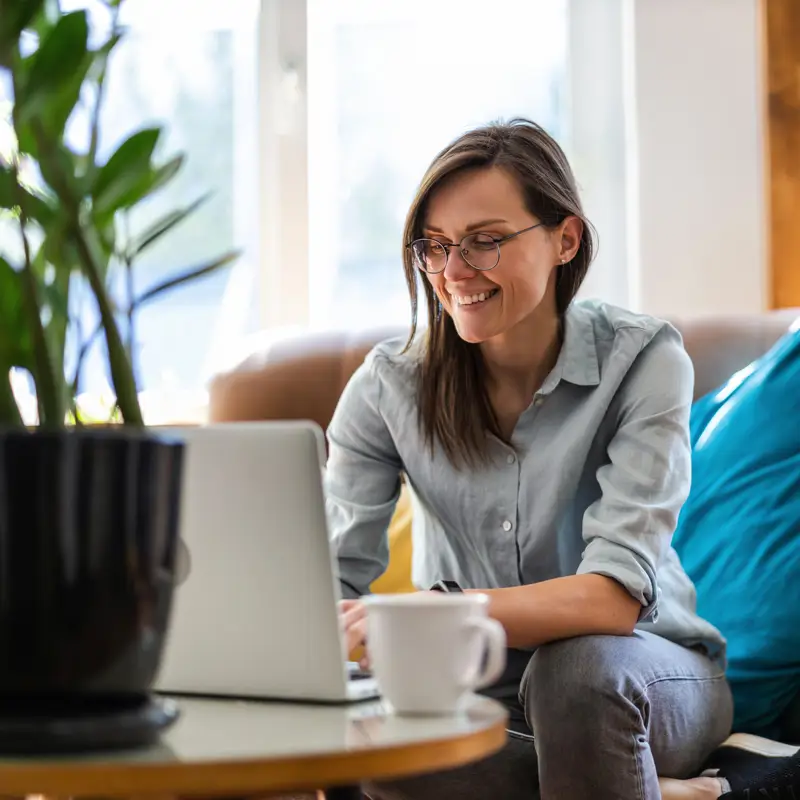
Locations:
{"points": [[510, 774], [592, 693]]}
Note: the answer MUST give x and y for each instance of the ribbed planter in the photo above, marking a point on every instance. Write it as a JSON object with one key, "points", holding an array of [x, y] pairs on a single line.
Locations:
{"points": [[88, 542]]}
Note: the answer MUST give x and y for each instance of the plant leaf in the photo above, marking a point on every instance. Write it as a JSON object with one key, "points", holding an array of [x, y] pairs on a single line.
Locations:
{"points": [[16, 349], [118, 179], [16, 345], [54, 295], [13, 195], [55, 75], [7, 188], [166, 224], [58, 165], [9, 412], [153, 181], [15, 16], [162, 175], [189, 276]]}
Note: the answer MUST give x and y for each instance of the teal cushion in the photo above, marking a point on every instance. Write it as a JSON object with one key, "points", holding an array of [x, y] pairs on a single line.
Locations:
{"points": [[738, 535]]}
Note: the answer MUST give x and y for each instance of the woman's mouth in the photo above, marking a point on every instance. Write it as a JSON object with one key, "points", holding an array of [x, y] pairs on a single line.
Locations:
{"points": [[474, 299]]}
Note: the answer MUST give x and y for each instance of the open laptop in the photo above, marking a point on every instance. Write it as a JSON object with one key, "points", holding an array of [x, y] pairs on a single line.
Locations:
{"points": [[256, 612]]}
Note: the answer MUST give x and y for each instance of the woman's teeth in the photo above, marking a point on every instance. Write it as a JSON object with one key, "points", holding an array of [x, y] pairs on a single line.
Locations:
{"points": [[469, 300]]}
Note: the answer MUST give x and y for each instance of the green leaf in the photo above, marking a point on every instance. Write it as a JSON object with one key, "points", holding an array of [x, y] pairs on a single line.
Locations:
{"points": [[55, 295], [166, 224], [57, 70], [189, 276], [9, 412], [15, 16], [7, 188], [58, 247], [118, 180], [16, 345], [13, 195], [59, 168], [164, 174], [149, 184]]}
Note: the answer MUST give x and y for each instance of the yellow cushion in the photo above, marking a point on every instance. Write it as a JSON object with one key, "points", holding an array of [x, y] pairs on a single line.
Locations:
{"points": [[397, 577]]}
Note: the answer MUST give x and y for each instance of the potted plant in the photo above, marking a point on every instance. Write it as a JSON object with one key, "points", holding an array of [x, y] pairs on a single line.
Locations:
{"points": [[88, 514]]}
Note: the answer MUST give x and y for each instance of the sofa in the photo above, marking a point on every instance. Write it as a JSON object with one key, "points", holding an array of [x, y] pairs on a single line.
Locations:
{"points": [[302, 377]]}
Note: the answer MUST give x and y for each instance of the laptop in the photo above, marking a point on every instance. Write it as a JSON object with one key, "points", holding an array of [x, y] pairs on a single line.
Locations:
{"points": [[255, 614]]}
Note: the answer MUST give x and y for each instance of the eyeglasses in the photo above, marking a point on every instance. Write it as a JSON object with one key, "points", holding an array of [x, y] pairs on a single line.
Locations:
{"points": [[480, 250]]}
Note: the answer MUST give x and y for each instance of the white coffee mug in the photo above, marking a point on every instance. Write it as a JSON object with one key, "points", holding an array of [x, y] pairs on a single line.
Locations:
{"points": [[430, 650]]}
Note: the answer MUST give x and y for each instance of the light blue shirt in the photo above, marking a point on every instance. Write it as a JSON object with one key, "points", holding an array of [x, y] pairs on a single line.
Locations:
{"points": [[593, 481]]}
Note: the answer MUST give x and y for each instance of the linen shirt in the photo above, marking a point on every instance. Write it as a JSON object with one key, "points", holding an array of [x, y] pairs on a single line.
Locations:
{"points": [[593, 480]]}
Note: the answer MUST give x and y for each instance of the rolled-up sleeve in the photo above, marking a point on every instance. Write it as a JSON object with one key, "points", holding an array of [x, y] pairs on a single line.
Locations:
{"points": [[648, 474], [362, 481]]}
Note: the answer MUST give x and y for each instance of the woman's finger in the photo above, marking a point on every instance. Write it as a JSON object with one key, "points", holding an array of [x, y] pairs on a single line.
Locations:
{"points": [[356, 634], [354, 614]]}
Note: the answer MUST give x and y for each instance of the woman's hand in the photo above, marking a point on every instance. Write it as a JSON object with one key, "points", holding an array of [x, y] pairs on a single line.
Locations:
{"points": [[354, 622]]}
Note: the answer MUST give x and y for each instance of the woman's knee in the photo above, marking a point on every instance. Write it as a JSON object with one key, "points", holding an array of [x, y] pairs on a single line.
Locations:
{"points": [[574, 676], [584, 663]]}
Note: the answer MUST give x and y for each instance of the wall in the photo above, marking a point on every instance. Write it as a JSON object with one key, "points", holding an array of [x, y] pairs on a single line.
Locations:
{"points": [[697, 230]]}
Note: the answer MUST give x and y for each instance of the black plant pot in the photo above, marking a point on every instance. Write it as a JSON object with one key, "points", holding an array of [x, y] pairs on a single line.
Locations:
{"points": [[88, 542]]}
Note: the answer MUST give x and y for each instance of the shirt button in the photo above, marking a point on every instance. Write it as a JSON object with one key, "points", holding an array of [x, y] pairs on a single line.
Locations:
{"points": [[510, 459], [538, 400], [507, 526]]}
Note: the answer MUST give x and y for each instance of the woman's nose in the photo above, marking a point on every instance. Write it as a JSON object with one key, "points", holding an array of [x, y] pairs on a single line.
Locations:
{"points": [[457, 269]]}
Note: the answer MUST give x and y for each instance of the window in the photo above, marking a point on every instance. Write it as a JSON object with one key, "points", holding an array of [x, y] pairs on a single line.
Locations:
{"points": [[362, 95], [389, 84]]}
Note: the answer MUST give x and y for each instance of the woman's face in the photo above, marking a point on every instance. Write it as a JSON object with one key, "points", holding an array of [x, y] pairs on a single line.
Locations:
{"points": [[489, 201]]}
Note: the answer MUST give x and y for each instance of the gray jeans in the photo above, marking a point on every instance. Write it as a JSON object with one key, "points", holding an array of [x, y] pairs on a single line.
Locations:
{"points": [[609, 714]]}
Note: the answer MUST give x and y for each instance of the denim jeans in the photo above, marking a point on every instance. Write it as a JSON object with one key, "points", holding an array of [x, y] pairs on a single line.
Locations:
{"points": [[608, 716]]}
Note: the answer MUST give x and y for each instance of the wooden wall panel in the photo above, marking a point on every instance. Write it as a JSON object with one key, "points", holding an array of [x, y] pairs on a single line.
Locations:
{"points": [[782, 61]]}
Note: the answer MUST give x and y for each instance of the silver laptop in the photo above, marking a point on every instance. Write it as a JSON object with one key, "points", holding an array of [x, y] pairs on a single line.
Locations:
{"points": [[256, 612]]}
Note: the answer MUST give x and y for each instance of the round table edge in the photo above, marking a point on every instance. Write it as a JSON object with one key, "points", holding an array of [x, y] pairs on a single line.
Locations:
{"points": [[253, 776]]}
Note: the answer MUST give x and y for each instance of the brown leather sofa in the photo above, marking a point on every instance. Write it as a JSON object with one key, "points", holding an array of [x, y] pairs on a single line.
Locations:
{"points": [[301, 377]]}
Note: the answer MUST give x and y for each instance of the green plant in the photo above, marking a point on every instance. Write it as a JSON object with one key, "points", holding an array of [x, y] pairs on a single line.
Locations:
{"points": [[71, 219]]}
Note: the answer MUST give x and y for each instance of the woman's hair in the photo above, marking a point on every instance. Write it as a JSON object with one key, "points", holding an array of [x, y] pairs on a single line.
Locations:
{"points": [[454, 404]]}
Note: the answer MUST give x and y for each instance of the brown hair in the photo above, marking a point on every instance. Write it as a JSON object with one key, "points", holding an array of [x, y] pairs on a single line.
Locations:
{"points": [[454, 404]]}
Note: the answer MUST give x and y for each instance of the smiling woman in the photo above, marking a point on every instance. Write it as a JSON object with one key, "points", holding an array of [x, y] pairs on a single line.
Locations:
{"points": [[545, 444]]}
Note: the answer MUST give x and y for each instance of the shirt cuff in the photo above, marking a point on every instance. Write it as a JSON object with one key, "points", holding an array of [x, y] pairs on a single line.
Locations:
{"points": [[629, 570]]}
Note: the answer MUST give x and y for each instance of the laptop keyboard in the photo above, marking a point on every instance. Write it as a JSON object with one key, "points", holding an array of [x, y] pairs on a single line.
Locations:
{"points": [[355, 673]]}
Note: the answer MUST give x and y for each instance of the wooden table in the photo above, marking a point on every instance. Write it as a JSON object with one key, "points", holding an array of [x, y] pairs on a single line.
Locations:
{"points": [[230, 748]]}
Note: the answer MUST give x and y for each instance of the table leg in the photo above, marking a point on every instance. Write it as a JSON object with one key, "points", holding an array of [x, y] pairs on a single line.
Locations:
{"points": [[344, 793]]}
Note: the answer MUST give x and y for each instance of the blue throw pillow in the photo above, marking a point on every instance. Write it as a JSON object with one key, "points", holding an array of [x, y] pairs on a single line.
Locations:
{"points": [[738, 535]]}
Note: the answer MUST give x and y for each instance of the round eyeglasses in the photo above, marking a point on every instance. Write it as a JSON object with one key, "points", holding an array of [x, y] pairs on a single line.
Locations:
{"points": [[480, 251]]}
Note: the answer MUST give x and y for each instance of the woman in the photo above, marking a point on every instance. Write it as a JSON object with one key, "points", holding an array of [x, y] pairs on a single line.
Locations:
{"points": [[546, 443]]}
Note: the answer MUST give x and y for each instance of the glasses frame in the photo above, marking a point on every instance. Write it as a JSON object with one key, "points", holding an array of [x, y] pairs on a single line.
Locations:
{"points": [[446, 247]]}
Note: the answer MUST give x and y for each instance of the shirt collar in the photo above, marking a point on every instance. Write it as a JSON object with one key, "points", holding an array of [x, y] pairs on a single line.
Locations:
{"points": [[577, 361]]}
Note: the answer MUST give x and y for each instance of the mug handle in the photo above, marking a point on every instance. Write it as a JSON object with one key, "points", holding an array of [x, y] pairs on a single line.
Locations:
{"points": [[477, 676]]}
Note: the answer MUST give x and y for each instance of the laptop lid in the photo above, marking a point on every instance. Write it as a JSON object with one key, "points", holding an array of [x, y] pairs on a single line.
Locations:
{"points": [[257, 612]]}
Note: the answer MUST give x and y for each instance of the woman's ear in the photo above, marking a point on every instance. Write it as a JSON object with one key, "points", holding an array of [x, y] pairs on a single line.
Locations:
{"points": [[571, 230]]}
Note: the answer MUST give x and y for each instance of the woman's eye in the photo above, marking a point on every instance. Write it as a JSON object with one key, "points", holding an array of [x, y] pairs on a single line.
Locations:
{"points": [[482, 242]]}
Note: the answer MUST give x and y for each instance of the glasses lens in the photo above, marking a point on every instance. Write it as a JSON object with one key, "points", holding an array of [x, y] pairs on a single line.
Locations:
{"points": [[480, 251], [429, 254]]}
